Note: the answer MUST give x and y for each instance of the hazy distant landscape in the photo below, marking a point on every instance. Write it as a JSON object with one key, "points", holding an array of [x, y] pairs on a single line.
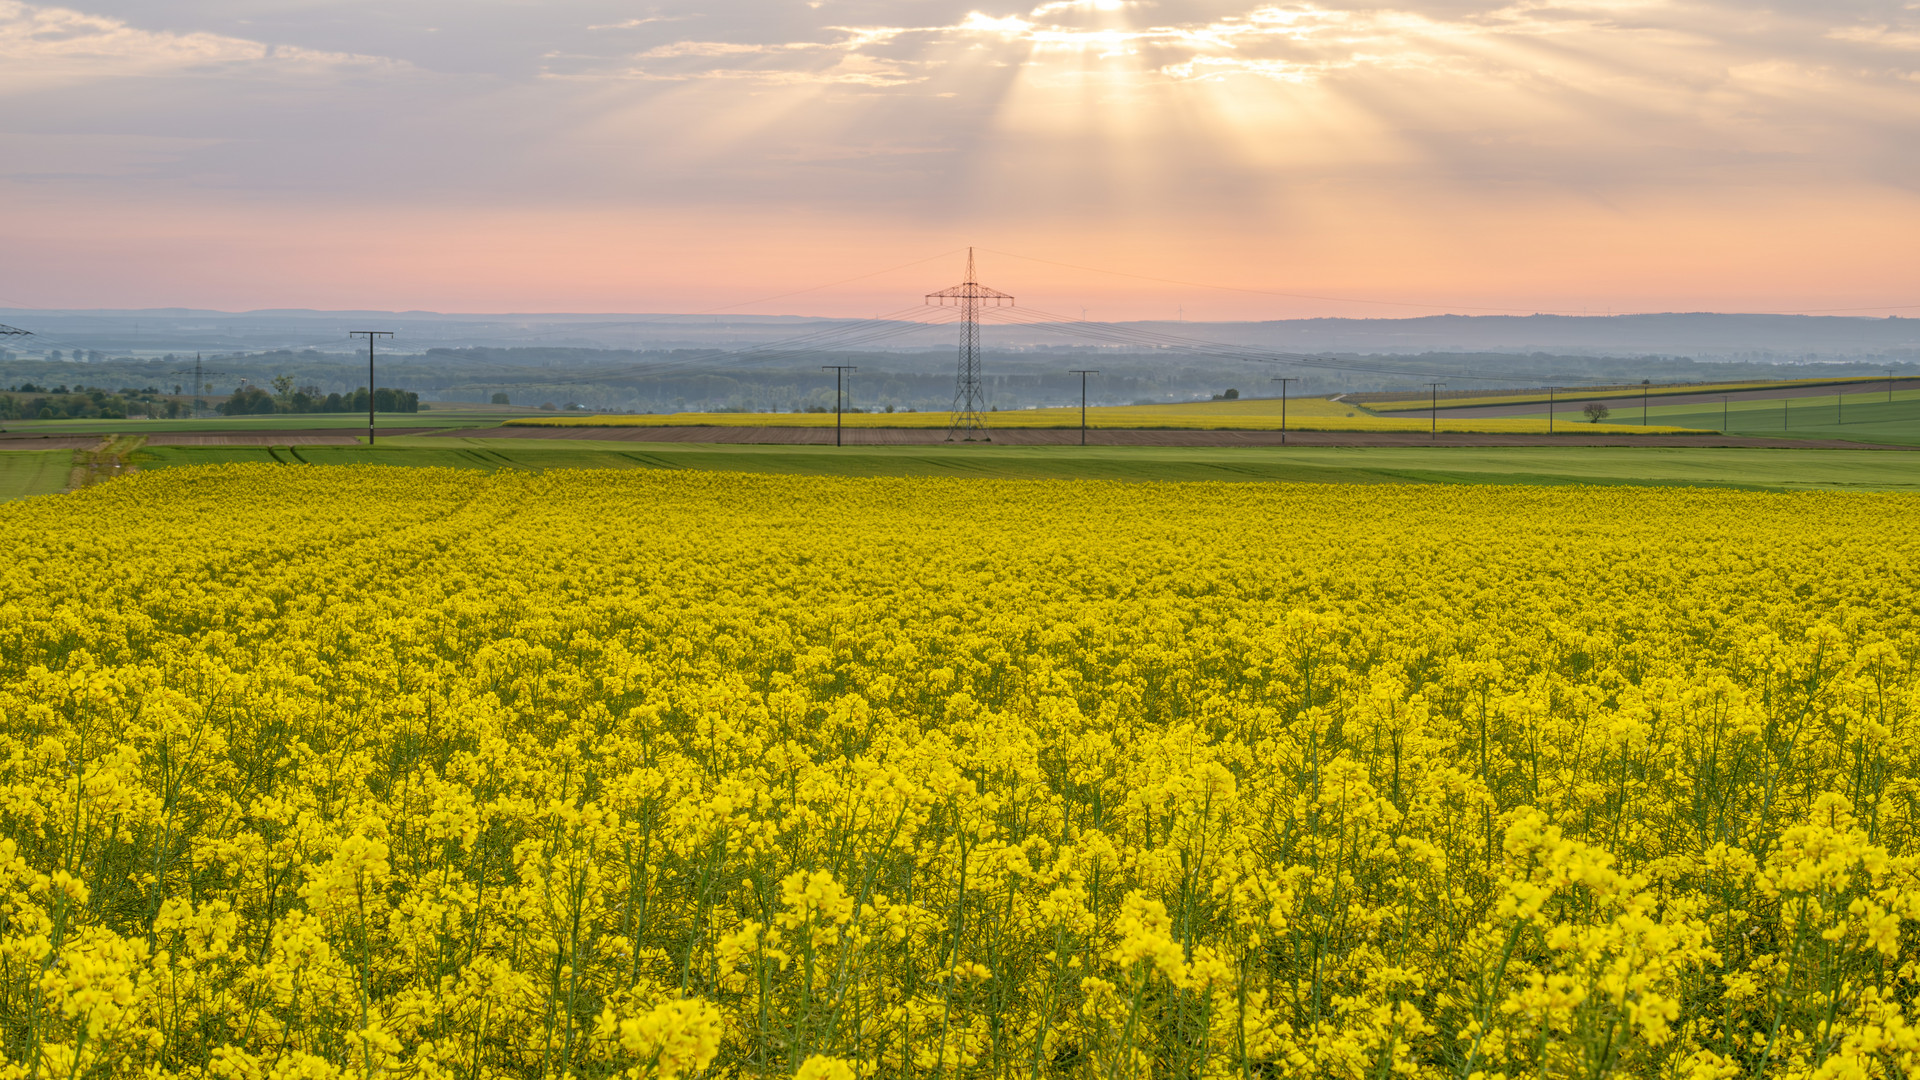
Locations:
{"points": [[703, 364]]}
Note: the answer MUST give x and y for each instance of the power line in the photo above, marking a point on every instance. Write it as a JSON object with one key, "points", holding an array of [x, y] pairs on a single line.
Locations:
{"points": [[1403, 303], [1272, 292], [1115, 334], [668, 318], [811, 288], [827, 339]]}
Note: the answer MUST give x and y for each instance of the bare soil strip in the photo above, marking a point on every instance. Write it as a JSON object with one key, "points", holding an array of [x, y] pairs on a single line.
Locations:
{"points": [[290, 437], [257, 438], [1133, 437], [11, 441]]}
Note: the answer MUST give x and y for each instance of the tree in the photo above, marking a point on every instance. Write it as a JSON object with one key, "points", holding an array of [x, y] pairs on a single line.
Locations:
{"points": [[1231, 395], [501, 399], [1596, 412], [282, 386], [246, 401]]}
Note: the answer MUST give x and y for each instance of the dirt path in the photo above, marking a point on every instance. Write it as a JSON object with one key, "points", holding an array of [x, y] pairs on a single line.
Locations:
{"points": [[110, 458], [773, 435]]}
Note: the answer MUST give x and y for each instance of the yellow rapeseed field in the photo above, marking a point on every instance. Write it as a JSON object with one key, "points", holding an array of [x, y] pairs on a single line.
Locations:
{"points": [[364, 772], [1246, 414]]}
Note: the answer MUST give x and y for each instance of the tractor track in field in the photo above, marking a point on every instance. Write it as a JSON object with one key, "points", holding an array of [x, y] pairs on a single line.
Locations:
{"points": [[103, 460]]}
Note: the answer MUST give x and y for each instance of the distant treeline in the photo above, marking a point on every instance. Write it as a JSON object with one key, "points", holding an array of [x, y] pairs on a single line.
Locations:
{"points": [[670, 380], [253, 401], [703, 381], [30, 402]]}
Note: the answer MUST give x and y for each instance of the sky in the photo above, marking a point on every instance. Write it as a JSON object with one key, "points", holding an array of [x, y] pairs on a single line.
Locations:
{"points": [[1197, 159]]}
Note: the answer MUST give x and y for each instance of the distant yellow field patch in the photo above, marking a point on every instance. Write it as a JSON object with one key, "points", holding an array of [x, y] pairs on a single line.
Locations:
{"points": [[1263, 414]]}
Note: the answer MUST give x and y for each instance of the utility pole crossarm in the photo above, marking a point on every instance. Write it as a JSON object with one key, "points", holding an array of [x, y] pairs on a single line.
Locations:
{"points": [[970, 290]]}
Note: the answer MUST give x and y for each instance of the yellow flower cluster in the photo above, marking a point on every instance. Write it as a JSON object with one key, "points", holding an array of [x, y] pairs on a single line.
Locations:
{"points": [[357, 772]]}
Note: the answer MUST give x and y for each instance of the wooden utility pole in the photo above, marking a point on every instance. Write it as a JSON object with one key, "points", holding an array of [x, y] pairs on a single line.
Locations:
{"points": [[1283, 406], [839, 372], [1083, 373], [369, 335]]}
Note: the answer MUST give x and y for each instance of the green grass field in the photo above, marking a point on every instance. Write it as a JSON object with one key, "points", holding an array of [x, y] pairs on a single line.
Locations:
{"points": [[1864, 416], [1416, 403], [1857, 417], [1771, 469], [34, 472]]}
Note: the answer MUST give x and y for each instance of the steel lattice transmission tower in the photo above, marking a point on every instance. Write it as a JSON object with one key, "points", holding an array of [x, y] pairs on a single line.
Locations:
{"points": [[969, 397]]}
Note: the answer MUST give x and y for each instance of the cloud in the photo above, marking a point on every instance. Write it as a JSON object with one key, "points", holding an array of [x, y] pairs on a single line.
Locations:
{"points": [[1084, 104], [1886, 37], [1232, 45], [1058, 6], [728, 48], [635, 24], [1186, 119], [39, 43], [1505, 66]]}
